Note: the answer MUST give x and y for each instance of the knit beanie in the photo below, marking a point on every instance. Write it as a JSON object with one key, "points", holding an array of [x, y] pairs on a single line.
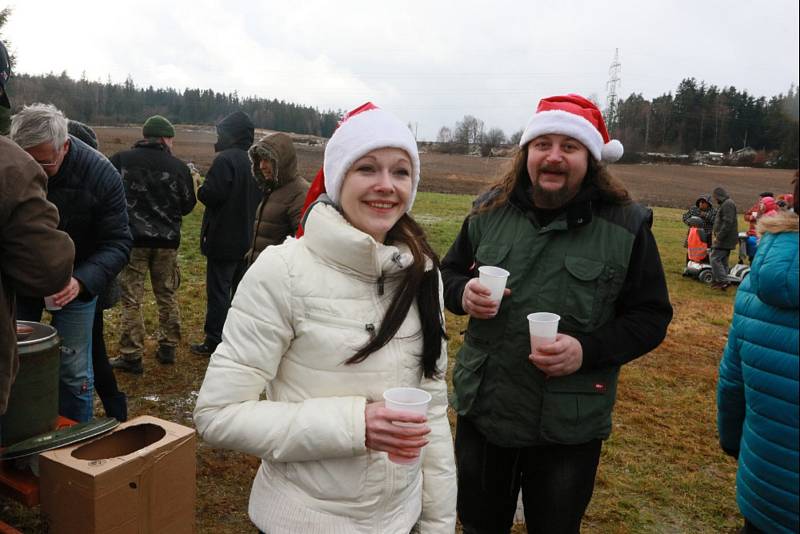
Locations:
{"points": [[83, 132], [363, 130], [158, 126], [574, 116]]}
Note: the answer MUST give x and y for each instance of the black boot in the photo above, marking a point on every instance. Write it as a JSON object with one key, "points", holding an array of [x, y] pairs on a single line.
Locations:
{"points": [[116, 407], [206, 348], [129, 366], [166, 354]]}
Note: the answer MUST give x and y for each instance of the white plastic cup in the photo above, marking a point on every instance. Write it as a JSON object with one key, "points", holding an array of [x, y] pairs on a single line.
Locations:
{"points": [[406, 400], [543, 328], [50, 304], [495, 279]]}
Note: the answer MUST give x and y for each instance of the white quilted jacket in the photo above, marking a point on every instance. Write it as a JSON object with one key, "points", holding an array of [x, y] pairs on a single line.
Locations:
{"points": [[302, 309]]}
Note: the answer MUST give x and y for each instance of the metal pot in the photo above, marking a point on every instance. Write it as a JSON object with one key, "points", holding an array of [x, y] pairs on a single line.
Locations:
{"points": [[33, 401]]}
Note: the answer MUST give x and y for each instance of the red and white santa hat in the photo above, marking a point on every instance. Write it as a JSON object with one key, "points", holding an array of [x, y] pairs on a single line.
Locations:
{"points": [[576, 117], [363, 130]]}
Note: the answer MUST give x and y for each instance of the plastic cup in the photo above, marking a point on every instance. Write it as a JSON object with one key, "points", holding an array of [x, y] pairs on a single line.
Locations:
{"points": [[50, 304], [543, 328], [406, 400], [495, 279]]}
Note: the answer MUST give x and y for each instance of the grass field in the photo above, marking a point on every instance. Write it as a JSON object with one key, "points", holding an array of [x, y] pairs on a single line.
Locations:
{"points": [[661, 471]]}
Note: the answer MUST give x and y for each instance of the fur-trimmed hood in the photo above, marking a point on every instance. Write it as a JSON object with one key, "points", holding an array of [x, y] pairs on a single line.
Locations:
{"points": [[278, 149], [784, 221]]}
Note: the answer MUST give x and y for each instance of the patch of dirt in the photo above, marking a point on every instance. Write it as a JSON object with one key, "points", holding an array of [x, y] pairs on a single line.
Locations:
{"points": [[675, 186]]}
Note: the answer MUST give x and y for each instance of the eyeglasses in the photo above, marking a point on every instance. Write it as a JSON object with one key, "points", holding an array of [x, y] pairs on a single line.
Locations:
{"points": [[51, 164]]}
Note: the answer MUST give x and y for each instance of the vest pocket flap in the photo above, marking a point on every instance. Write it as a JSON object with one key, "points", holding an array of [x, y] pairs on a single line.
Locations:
{"points": [[471, 358], [467, 377], [578, 383], [491, 253], [583, 268]]}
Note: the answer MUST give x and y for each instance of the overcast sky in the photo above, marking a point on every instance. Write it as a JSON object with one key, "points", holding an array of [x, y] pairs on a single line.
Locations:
{"points": [[429, 62]]}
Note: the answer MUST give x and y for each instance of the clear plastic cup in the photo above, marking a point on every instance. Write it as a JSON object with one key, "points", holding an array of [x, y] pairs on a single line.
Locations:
{"points": [[405, 399], [495, 279], [543, 328], [50, 304]]}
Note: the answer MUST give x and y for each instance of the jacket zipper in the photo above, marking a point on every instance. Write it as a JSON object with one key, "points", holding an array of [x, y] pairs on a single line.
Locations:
{"points": [[381, 279]]}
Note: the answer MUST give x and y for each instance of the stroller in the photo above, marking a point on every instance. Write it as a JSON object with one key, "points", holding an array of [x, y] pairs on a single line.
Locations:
{"points": [[698, 265]]}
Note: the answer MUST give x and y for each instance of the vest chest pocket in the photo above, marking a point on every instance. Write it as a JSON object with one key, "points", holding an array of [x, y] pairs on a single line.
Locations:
{"points": [[467, 377], [491, 253], [588, 287]]}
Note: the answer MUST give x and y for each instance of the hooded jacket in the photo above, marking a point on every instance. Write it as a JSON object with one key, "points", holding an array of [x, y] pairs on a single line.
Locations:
{"points": [[757, 397], [35, 258], [726, 230], [278, 215], [707, 216], [770, 207], [300, 311], [229, 192]]}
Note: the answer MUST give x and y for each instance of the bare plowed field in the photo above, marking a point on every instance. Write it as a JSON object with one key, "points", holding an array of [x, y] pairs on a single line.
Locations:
{"points": [[673, 186]]}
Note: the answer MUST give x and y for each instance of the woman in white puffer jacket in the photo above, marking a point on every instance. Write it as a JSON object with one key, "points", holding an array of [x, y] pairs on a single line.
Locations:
{"points": [[324, 325]]}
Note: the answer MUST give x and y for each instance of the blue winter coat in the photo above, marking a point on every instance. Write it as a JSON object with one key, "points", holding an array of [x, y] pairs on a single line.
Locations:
{"points": [[90, 197], [757, 398]]}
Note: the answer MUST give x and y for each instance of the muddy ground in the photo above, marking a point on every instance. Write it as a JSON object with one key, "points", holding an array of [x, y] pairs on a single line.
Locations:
{"points": [[673, 186]]}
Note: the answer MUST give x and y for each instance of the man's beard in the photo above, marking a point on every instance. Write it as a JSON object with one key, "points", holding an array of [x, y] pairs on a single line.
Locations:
{"points": [[549, 199]]}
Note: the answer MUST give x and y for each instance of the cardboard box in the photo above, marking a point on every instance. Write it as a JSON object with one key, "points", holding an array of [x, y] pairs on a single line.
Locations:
{"points": [[140, 478]]}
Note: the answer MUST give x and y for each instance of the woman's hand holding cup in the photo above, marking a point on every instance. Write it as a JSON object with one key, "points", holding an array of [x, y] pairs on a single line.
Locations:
{"points": [[383, 434]]}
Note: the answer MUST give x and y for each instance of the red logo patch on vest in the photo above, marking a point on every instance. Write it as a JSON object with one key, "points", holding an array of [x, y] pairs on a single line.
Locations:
{"points": [[600, 388]]}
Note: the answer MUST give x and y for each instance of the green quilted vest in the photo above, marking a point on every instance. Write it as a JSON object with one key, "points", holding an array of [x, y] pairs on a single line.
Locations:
{"points": [[575, 272]]}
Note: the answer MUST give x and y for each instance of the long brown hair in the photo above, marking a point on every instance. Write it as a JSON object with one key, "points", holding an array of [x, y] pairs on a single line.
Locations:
{"points": [[417, 283], [610, 188]]}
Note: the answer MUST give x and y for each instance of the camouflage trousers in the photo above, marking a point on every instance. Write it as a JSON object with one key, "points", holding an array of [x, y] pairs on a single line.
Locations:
{"points": [[162, 263]]}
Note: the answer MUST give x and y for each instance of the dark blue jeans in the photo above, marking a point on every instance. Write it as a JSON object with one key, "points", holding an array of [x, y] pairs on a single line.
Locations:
{"points": [[76, 376], [557, 483]]}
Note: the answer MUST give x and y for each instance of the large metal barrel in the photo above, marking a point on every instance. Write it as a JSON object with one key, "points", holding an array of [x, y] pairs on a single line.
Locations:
{"points": [[33, 402]]}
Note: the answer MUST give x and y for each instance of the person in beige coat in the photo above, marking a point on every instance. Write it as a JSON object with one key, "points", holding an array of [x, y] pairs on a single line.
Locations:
{"points": [[275, 170], [324, 325]]}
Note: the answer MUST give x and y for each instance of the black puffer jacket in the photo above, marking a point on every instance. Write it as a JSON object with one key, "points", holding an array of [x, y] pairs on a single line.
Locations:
{"points": [[159, 192], [90, 198], [229, 192]]}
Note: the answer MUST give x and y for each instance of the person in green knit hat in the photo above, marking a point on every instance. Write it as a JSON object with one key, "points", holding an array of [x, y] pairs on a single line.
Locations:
{"points": [[159, 192]]}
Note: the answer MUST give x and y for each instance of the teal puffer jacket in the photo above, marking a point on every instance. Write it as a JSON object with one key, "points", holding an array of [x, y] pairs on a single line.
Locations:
{"points": [[757, 398]]}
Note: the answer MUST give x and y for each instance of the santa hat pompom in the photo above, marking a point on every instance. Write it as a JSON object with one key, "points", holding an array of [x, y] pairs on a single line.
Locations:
{"points": [[612, 151]]}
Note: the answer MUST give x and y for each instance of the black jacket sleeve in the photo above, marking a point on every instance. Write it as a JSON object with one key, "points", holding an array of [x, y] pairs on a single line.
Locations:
{"points": [[643, 311], [186, 190], [458, 266], [218, 183]]}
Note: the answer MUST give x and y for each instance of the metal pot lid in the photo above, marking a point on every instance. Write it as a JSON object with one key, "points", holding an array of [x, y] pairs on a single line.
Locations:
{"points": [[58, 438], [41, 332]]}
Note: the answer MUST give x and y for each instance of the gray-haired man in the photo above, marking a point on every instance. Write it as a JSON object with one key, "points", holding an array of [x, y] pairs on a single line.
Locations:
{"points": [[90, 198]]}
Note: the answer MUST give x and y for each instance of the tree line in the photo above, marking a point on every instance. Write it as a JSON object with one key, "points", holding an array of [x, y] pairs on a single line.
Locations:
{"points": [[109, 103], [709, 118], [695, 118]]}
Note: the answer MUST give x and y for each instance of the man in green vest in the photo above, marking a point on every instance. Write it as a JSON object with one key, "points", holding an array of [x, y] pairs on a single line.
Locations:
{"points": [[575, 245]]}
